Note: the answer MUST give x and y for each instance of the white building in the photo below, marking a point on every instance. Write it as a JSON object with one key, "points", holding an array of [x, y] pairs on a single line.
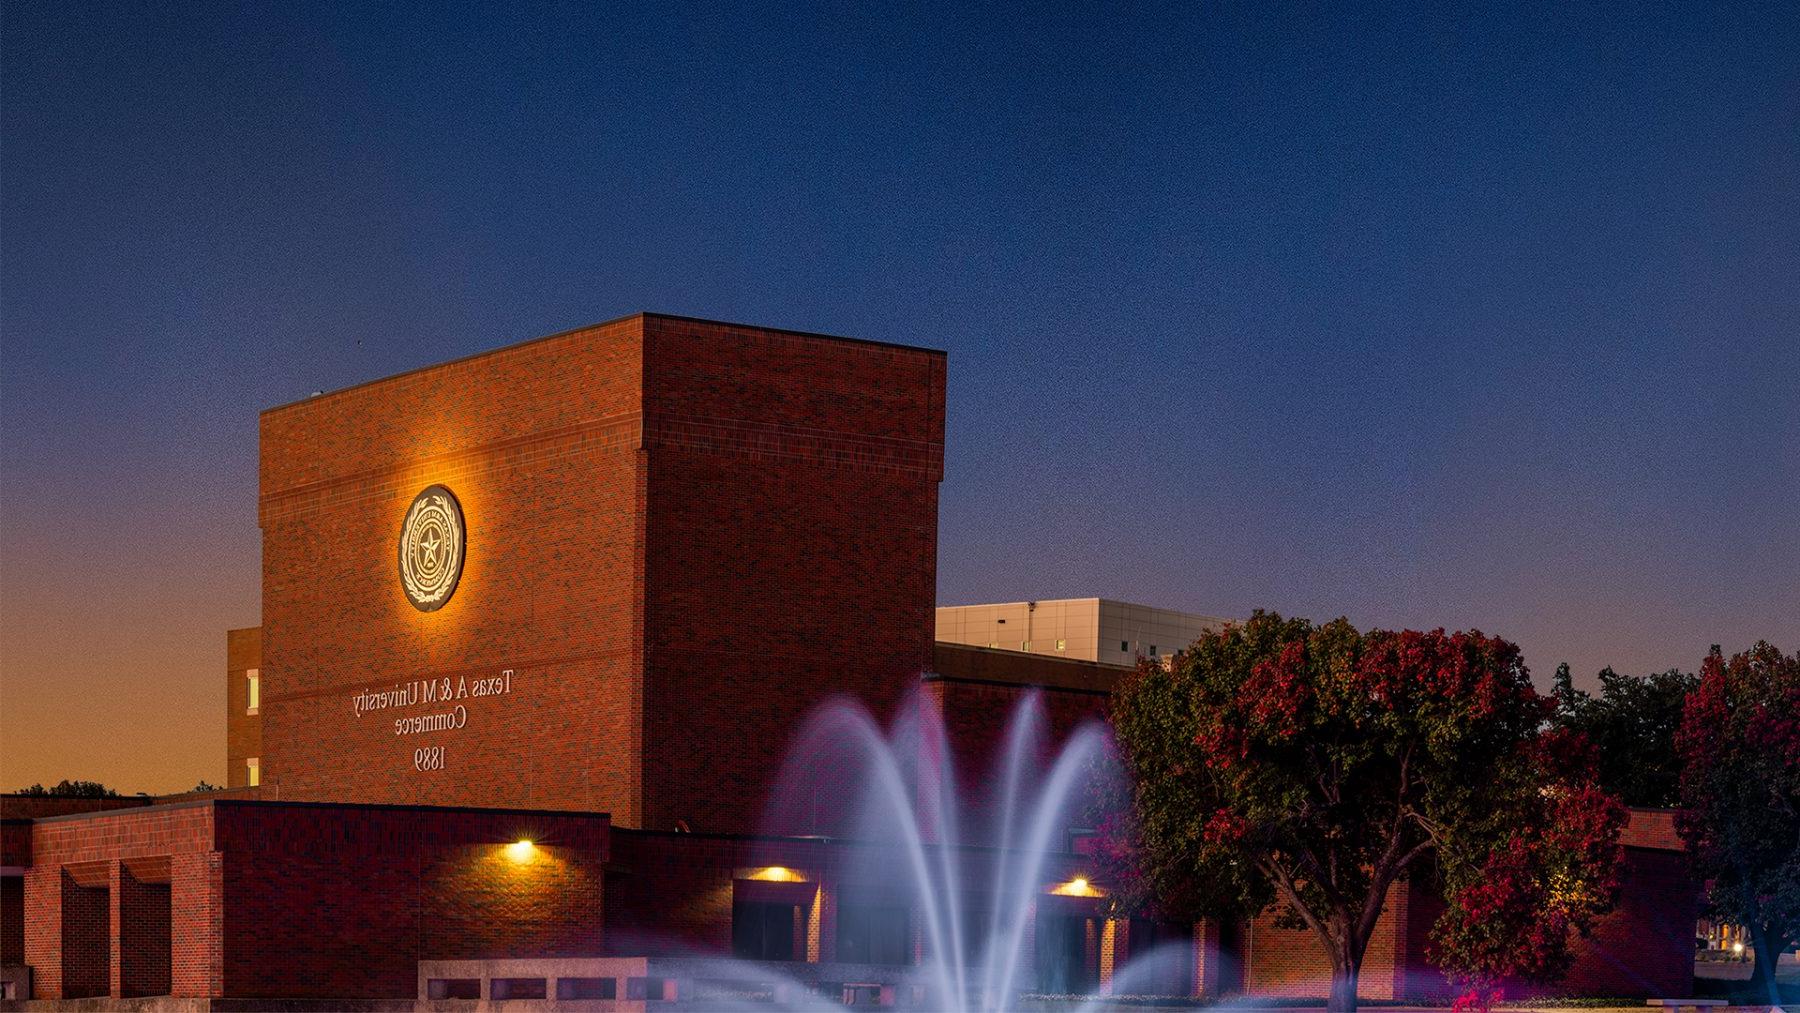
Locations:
{"points": [[1090, 629]]}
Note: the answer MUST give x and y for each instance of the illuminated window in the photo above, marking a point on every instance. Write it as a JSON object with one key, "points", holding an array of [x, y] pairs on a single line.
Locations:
{"points": [[254, 766], [1024, 645], [993, 643], [1060, 644], [254, 679]]}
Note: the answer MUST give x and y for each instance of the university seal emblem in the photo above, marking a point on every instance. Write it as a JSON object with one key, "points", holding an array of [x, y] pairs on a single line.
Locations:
{"points": [[431, 548]]}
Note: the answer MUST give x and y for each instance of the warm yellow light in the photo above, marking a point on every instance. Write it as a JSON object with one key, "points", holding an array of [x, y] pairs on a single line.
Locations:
{"points": [[777, 874], [1077, 887], [520, 850]]}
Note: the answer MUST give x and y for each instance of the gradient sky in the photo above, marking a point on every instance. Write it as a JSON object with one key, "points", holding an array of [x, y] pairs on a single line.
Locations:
{"points": [[1487, 318]]}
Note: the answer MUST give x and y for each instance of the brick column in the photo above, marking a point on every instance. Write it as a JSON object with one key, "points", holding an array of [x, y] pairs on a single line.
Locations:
{"points": [[43, 929], [115, 986], [196, 918], [1113, 936], [1207, 959], [821, 927]]}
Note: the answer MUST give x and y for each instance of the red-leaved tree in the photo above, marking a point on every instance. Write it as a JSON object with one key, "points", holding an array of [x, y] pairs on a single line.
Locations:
{"points": [[1279, 765], [1740, 795]]}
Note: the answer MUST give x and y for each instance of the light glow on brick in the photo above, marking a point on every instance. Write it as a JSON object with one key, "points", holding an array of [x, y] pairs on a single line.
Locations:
{"points": [[1077, 887], [777, 874]]}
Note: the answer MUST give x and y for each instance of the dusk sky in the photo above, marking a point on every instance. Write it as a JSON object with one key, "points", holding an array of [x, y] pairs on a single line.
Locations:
{"points": [[1481, 318]]}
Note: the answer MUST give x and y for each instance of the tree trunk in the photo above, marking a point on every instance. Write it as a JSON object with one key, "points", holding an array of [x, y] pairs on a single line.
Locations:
{"points": [[1344, 971], [1767, 954]]}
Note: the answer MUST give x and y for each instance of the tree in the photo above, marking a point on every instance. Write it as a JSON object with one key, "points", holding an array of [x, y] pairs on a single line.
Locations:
{"points": [[70, 789], [1740, 793], [1306, 769], [1632, 724], [206, 785]]}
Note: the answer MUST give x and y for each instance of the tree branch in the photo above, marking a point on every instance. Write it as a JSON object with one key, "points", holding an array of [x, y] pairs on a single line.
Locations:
{"points": [[1284, 883]]}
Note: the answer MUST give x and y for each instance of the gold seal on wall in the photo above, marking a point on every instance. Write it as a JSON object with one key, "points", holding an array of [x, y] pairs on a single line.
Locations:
{"points": [[432, 539]]}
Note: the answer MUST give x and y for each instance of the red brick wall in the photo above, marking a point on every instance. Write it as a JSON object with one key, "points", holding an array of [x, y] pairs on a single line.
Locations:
{"points": [[85, 936], [145, 940], [670, 894], [791, 549], [1290, 962], [32, 807], [676, 531], [1416, 977], [1644, 948], [975, 717], [539, 443], [89, 850], [267, 900], [342, 902]]}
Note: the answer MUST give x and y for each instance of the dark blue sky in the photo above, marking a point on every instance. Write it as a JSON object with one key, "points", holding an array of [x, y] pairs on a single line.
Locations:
{"points": [[1485, 318]]}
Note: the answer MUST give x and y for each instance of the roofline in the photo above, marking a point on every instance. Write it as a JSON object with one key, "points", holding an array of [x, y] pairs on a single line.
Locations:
{"points": [[266, 803], [820, 840], [1021, 684], [642, 315], [1093, 598]]}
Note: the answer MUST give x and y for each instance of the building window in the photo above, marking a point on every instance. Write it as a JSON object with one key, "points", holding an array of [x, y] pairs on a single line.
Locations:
{"points": [[585, 988], [644, 988], [453, 988], [1153, 650], [1061, 644], [1125, 645], [516, 988], [993, 643], [254, 766], [873, 934], [254, 679], [763, 930], [1024, 645]]}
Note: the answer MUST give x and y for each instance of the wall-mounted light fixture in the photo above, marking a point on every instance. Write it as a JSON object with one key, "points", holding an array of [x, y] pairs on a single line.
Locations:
{"points": [[1077, 887], [776, 874]]}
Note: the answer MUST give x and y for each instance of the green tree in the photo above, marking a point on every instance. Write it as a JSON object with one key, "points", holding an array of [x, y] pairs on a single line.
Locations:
{"points": [[1307, 769], [71, 789], [1632, 724], [1740, 794]]}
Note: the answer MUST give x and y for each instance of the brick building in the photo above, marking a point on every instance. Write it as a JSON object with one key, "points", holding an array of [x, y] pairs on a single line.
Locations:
{"points": [[537, 625]]}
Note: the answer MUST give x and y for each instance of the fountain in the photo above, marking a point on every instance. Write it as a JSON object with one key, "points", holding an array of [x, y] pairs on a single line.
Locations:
{"points": [[952, 923]]}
